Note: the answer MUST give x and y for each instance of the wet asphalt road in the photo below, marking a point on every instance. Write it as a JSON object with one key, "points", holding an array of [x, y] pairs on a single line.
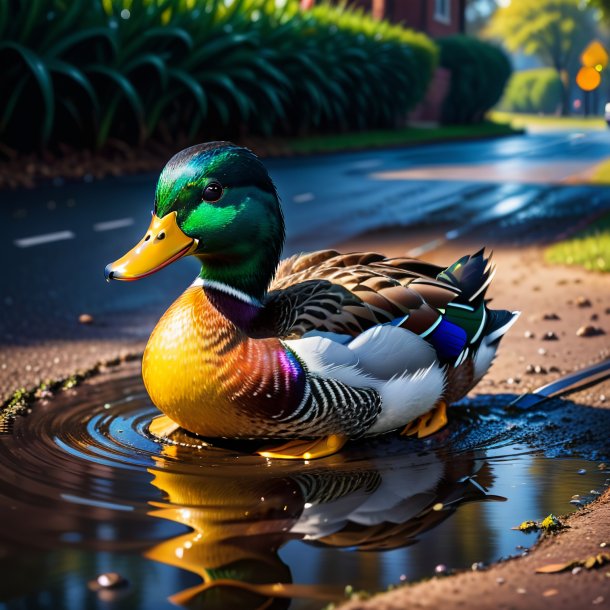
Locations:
{"points": [[56, 240]]}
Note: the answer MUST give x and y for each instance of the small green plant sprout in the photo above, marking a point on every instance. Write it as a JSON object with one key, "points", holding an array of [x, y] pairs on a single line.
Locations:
{"points": [[549, 524]]}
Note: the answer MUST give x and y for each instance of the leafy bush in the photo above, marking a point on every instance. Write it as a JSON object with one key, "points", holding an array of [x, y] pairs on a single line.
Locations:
{"points": [[533, 91], [479, 72], [80, 72]]}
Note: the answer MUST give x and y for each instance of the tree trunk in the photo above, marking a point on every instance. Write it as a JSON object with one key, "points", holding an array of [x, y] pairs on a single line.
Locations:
{"points": [[567, 90]]}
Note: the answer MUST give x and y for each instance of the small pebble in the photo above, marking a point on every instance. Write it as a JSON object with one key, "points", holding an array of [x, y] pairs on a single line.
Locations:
{"points": [[602, 398], [550, 592], [601, 466], [603, 545], [594, 317], [598, 600], [438, 506], [588, 330], [542, 351], [110, 580], [582, 471], [540, 370], [477, 565], [550, 316], [500, 580], [550, 336], [528, 334], [521, 591], [85, 318], [441, 568], [583, 302], [576, 570]]}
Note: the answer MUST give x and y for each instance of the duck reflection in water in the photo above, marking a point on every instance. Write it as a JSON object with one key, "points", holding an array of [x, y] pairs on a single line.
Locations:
{"points": [[241, 517]]}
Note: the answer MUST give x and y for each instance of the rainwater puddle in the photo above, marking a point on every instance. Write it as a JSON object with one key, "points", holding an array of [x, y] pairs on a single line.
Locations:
{"points": [[84, 490]]}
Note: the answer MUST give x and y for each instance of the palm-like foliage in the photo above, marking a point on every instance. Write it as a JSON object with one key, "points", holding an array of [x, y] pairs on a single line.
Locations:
{"points": [[83, 71]]}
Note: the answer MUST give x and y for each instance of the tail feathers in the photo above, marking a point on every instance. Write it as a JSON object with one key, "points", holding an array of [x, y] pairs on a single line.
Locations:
{"points": [[472, 274], [498, 323]]}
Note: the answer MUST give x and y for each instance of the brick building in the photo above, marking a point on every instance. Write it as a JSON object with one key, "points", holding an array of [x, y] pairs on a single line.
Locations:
{"points": [[434, 17]]}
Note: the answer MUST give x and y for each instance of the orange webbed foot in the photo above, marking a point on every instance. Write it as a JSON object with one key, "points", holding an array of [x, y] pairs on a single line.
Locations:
{"points": [[428, 423]]}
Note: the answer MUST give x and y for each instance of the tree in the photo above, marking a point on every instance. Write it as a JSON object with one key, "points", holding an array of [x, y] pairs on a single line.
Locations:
{"points": [[556, 31], [478, 13], [604, 6]]}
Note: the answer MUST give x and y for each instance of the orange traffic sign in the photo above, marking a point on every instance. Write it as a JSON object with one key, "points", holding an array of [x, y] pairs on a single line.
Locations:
{"points": [[595, 56], [588, 79]]}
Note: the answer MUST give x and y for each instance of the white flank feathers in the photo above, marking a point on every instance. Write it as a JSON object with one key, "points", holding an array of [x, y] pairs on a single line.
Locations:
{"points": [[483, 358], [407, 397], [397, 363]]}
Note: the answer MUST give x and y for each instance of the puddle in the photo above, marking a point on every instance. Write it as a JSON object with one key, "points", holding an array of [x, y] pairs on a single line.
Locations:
{"points": [[84, 490]]}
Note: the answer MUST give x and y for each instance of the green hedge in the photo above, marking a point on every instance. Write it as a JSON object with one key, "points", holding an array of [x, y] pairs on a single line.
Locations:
{"points": [[479, 72], [533, 91], [79, 72]]}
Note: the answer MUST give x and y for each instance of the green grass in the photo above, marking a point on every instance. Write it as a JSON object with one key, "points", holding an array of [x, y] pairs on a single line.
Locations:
{"points": [[395, 137], [524, 121], [589, 248]]}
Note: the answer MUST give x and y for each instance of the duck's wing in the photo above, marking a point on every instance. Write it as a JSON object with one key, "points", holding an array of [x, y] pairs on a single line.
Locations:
{"points": [[321, 263], [347, 294]]}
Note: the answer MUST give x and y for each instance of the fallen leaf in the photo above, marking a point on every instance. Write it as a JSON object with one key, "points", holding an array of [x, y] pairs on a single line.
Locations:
{"points": [[593, 561], [590, 562], [552, 568]]}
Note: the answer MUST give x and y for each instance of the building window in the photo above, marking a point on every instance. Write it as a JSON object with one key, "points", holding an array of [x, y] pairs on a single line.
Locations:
{"points": [[442, 11]]}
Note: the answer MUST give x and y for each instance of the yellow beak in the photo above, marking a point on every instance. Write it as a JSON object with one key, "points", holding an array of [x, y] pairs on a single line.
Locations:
{"points": [[163, 244]]}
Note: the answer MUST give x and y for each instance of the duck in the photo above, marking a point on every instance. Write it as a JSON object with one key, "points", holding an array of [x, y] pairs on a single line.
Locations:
{"points": [[309, 352]]}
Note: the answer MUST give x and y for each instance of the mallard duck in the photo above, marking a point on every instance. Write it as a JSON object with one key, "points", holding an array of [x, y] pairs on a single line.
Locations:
{"points": [[320, 348]]}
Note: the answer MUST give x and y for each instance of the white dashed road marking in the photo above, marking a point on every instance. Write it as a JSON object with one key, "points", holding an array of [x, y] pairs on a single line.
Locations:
{"points": [[303, 198], [37, 240], [110, 225]]}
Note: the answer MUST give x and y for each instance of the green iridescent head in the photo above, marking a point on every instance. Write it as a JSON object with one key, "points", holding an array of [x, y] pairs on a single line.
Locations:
{"points": [[217, 202]]}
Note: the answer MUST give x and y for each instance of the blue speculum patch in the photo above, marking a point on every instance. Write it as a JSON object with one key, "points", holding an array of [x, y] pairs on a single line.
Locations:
{"points": [[448, 339]]}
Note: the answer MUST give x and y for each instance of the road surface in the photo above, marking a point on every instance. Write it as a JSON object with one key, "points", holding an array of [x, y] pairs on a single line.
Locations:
{"points": [[56, 240]]}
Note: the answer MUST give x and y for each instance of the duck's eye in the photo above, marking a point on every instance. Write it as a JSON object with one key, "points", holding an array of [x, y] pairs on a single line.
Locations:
{"points": [[212, 192]]}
